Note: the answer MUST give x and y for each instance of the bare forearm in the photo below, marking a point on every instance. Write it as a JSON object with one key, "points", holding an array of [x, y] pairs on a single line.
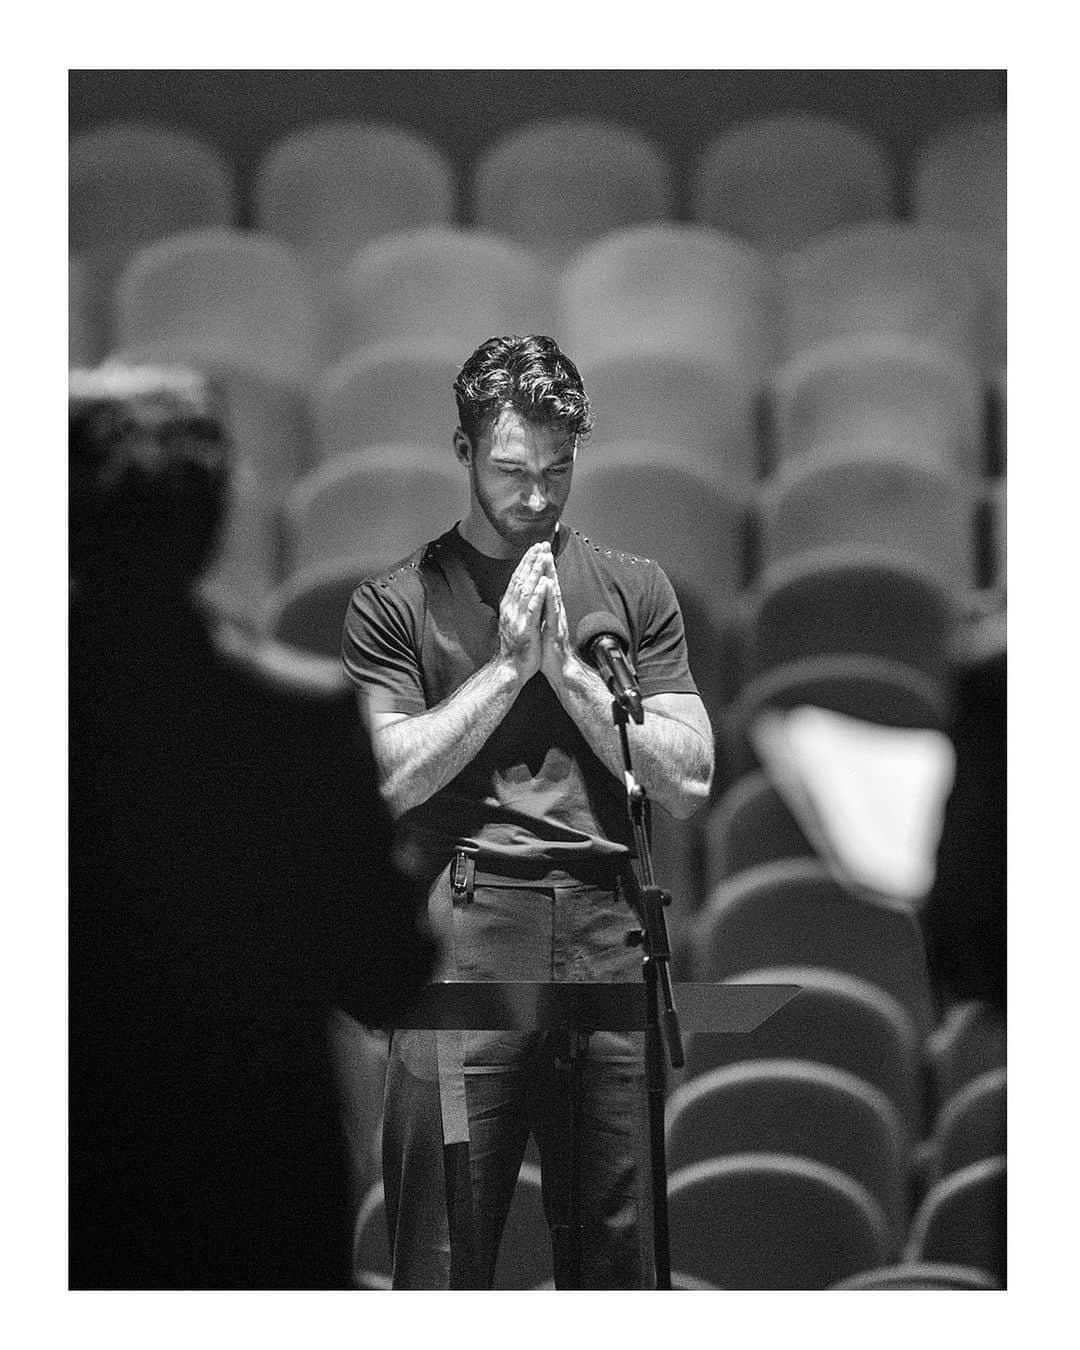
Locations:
{"points": [[673, 761], [419, 755]]}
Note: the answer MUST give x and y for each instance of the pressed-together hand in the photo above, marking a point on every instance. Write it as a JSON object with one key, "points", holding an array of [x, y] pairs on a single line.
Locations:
{"points": [[557, 653], [521, 610]]}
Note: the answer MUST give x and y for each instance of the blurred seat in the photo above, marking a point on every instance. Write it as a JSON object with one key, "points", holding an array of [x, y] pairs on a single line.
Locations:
{"points": [[371, 1261], [919, 1275], [553, 185], [961, 1220], [880, 394], [796, 1108], [970, 1126], [777, 181], [675, 399], [524, 1260], [247, 565], [660, 502], [841, 600], [958, 177], [457, 286], [85, 339], [388, 392], [761, 1221], [305, 614], [834, 1019], [970, 1040], [904, 509], [332, 187], [130, 183], [886, 277], [220, 296], [381, 502], [794, 913], [750, 824], [675, 288], [873, 689]]}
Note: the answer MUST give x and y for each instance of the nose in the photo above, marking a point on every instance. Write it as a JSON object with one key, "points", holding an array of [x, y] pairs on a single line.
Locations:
{"points": [[537, 499]]}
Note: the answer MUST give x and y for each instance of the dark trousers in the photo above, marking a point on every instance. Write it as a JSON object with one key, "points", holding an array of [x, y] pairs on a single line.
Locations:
{"points": [[444, 1232]]}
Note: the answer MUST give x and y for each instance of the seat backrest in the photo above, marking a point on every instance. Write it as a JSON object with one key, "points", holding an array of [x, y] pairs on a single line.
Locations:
{"points": [[794, 913], [959, 177], [797, 1108], [333, 187], [130, 183], [762, 1221], [779, 180], [393, 392], [842, 600], [308, 610], [962, 1219], [880, 394], [384, 501], [226, 296], [675, 399], [970, 1040], [835, 1019], [971, 1125], [920, 1275], [660, 502], [554, 184], [888, 277], [750, 824], [906, 509], [672, 288], [461, 286]]}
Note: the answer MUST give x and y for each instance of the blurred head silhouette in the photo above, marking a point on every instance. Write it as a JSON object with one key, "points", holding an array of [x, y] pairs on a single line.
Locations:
{"points": [[148, 466]]}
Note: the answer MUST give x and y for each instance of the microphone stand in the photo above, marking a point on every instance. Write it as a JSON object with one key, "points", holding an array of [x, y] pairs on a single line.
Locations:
{"points": [[648, 902]]}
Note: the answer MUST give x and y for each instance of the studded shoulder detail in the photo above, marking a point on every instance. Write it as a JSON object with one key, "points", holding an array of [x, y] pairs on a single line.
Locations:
{"points": [[614, 554]]}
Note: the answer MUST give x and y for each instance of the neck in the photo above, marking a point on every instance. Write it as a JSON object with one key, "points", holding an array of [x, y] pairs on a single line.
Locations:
{"points": [[476, 530]]}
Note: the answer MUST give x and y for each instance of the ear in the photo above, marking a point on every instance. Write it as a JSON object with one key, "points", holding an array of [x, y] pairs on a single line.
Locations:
{"points": [[463, 446]]}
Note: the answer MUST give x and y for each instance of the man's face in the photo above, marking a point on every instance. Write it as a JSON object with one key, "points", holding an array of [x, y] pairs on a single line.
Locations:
{"points": [[520, 475]]}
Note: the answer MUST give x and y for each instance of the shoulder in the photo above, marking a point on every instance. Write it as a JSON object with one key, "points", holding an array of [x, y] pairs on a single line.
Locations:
{"points": [[402, 585], [606, 558]]}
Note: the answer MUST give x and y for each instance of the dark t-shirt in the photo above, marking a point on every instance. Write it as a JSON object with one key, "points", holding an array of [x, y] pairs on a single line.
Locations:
{"points": [[535, 802]]}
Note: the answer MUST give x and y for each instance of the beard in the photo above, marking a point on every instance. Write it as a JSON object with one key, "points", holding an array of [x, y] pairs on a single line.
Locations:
{"points": [[519, 533]]}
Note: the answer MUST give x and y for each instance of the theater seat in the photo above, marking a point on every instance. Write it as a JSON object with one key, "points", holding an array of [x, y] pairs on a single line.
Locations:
{"points": [[329, 188], [675, 288], [221, 296], [384, 501], [919, 1275], [835, 1019], [961, 1220], [674, 399], [796, 1108], [906, 509], [392, 392], [750, 824], [763, 1221], [777, 181], [970, 1126], [884, 277], [959, 178], [553, 185], [880, 394], [453, 285], [969, 1040], [307, 612], [795, 913]]}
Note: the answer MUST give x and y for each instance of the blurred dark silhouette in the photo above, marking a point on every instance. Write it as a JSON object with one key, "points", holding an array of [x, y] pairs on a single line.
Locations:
{"points": [[965, 914], [229, 883]]}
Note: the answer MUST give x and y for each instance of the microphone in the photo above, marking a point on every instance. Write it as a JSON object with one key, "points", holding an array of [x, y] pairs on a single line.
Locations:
{"points": [[602, 640]]}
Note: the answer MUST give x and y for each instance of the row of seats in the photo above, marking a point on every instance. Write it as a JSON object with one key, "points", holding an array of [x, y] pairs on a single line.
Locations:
{"points": [[550, 185], [766, 1221], [246, 298]]}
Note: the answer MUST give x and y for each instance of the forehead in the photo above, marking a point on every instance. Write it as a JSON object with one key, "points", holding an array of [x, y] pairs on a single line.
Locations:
{"points": [[511, 439]]}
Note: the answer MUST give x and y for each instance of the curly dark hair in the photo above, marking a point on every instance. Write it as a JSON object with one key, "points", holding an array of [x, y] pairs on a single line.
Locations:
{"points": [[528, 374]]}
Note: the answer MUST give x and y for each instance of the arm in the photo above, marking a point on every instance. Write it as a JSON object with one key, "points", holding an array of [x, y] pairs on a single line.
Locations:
{"points": [[671, 752], [418, 755]]}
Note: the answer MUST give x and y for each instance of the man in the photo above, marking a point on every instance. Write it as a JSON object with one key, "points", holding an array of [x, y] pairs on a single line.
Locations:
{"points": [[229, 882], [499, 754]]}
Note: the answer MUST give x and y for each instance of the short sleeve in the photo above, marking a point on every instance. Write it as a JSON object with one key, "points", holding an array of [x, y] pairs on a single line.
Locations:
{"points": [[380, 649], [663, 666]]}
